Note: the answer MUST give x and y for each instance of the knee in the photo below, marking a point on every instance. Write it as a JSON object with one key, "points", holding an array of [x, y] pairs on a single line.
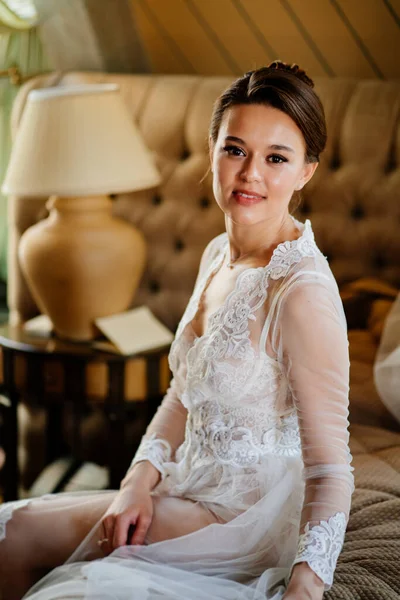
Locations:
{"points": [[15, 542], [16, 558]]}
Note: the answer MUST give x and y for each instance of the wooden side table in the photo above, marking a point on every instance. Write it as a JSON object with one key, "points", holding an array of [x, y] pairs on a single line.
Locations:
{"points": [[75, 357]]}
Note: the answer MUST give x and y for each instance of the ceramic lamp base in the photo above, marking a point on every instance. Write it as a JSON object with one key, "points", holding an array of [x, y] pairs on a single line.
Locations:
{"points": [[81, 263]]}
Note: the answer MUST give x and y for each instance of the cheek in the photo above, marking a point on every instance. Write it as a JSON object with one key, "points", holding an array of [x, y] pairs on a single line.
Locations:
{"points": [[283, 179], [222, 175], [216, 182], [223, 169]]}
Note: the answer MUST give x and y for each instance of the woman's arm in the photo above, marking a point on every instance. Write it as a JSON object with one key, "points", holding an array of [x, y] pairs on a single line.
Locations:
{"points": [[314, 348], [166, 431], [163, 436], [132, 508]]}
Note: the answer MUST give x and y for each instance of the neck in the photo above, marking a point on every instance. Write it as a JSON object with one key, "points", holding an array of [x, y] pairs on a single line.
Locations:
{"points": [[258, 239]]}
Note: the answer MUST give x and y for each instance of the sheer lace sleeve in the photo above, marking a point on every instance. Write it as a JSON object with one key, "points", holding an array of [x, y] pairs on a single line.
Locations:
{"points": [[167, 429], [165, 432], [314, 347]]}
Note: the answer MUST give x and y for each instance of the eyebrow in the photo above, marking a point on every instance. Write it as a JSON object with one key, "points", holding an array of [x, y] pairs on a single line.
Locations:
{"points": [[233, 138]]}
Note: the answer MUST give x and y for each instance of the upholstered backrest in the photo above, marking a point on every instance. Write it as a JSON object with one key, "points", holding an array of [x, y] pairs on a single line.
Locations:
{"points": [[353, 200]]}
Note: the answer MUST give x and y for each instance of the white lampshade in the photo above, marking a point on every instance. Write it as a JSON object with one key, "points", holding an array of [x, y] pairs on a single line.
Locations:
{"points": [[78, 141]]}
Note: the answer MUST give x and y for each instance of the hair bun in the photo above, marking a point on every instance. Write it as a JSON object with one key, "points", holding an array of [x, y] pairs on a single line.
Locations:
{"points": [[294, 69]]}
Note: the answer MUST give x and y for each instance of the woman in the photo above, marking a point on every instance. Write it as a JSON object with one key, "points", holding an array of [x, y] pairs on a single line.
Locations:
{"points": [[241, 487]]}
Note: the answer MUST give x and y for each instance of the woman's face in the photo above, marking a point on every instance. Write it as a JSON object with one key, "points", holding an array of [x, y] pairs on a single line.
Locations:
{"points": [[258, 161]]}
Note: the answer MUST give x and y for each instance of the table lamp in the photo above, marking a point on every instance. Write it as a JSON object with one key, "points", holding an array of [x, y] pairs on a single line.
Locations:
{"points": [[77, 145]]}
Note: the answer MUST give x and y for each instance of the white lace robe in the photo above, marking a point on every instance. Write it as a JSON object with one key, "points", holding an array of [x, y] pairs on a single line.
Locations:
{"points": [[254, 430], [263, 393]]}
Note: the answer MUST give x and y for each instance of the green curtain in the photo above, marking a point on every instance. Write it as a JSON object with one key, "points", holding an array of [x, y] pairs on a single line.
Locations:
{"points": [[16, 15], [20, 46]]}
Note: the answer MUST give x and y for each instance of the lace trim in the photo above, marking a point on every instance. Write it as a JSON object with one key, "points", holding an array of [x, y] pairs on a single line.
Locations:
{"points": [[222, 365], [287, 254], [320, 546], [239, 437], [228, 325], [155, 450], [228, 335], [6, 513]]}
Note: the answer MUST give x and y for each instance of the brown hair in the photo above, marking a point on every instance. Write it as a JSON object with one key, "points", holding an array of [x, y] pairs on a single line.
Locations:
{"points": [[286, 88]]}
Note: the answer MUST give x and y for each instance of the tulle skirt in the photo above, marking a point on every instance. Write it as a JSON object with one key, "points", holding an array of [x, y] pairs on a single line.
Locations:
{"points": [[246, 558]]}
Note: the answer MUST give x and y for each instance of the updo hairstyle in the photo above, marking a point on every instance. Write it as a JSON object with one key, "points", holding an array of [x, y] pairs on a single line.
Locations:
{"points": [[285, 87]]}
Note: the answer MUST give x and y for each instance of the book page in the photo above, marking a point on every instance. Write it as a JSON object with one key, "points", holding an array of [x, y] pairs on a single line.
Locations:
{"points": [[133, 331]]}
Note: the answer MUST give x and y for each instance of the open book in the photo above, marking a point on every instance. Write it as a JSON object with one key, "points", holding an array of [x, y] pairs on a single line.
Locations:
{"points": [[133, 331], [130, 332]]}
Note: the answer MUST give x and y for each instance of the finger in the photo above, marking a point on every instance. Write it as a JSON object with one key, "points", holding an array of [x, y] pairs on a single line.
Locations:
{"points": [[105, 547], [108, 528], [131, 531], [142, 527], [122, 524], [108, 525]]}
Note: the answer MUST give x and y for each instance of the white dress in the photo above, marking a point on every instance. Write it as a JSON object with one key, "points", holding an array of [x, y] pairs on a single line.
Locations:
{"points": [[253, 429]]}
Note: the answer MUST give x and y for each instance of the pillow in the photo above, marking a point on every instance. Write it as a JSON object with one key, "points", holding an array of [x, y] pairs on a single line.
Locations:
{"points": [[367, 302], [387, 363]]}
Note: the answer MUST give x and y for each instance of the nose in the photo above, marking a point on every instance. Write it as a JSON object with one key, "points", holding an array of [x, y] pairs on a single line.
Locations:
{"points": [[251, 170]]}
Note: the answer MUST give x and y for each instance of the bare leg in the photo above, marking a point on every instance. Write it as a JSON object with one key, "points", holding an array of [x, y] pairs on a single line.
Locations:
{"points": [[42, 535], [45, 533], [174, 517]]}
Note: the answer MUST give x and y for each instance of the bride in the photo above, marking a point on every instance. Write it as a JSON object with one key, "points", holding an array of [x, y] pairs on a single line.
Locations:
{"points": [[241, 487]]}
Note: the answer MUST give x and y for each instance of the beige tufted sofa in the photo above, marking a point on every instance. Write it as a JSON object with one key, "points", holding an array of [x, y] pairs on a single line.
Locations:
{"points": [[353, 200]]}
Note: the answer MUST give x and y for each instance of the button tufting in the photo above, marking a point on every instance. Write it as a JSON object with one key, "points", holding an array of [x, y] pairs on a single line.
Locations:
{"points": [[391, 164], [185, 154], [335, 163], [154, 287], [179, 245], [156, 200], [379, 261], [205, 202], [357, 212]]}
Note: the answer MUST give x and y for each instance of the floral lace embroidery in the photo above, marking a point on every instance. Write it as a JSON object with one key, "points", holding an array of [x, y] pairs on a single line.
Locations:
{"points": [[256, 378], [227, 333], [289, 253], [155, 450], [240, 437], [223, 365], [320, 546], [251, 285]]}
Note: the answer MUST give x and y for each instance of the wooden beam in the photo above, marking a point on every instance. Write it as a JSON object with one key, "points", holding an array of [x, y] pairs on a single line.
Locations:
{"points": [[93, 35]]}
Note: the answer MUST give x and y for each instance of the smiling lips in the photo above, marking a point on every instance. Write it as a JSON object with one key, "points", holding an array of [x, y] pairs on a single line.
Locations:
{"points": [[247, 198]]}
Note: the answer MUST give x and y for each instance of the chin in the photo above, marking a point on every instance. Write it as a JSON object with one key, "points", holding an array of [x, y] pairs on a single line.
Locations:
{"points": [[245, 215]]}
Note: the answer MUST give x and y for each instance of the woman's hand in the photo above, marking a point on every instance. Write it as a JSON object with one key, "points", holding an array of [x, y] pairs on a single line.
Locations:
{"points": [[129, 516], [131, 510], [304, 584]]}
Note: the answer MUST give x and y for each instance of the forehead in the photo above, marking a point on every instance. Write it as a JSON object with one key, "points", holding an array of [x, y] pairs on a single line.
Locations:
{"points": [[261, 124]]}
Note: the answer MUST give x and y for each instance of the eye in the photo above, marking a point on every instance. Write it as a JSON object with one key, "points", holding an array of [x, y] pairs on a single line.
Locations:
{"points": [[233, 150], [276, 159]]}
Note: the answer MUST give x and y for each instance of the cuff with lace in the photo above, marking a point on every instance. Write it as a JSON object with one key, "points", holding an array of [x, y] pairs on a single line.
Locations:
{"points": [[320, 546], [156, 450]]}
